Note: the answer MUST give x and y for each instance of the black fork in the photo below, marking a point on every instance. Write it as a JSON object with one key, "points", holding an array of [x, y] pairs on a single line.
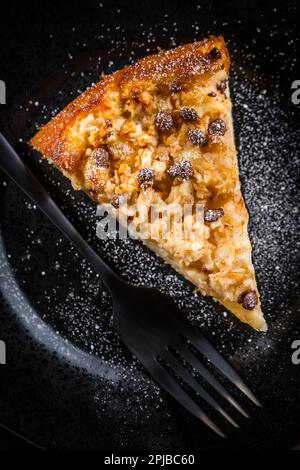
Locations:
{"points": [[148, 323]]}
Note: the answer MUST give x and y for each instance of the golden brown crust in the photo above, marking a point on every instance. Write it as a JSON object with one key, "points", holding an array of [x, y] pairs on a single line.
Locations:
{"points": [[178, 65]]}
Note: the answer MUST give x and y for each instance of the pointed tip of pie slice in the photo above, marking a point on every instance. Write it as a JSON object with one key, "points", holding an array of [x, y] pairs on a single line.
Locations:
{"points": [[256, 320], [253, 318], [262, 325]]}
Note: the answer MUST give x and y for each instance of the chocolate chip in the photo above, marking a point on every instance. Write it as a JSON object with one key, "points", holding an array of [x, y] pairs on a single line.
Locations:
{"points": [[101, 157], [118, 200], [248, 299], [241, 296], [222, 86], [164, 122], [183, 170], [217, 127], [212, 93], [175, 88], [215, 53], [197, 137], [188, 114], [146, 177], [212, 215]]}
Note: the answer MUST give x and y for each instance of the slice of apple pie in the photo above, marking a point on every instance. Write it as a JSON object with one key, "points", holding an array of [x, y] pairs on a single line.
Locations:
{"points": [[160, 132]]}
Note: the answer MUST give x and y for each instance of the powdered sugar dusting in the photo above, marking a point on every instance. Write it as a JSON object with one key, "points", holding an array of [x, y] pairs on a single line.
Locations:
{"points": [[74, 301]]}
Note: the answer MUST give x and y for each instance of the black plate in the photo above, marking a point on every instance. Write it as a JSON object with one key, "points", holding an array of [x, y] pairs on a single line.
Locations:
{"points": [[68, 382]]}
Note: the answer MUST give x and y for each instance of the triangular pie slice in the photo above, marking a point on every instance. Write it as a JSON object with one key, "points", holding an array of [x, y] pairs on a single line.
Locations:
{"points": [[160, 132]]}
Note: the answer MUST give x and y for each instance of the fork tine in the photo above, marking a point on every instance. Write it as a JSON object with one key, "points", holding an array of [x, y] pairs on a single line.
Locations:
{"points": [[206, 348], [188, 356], [164, 379], [196, 386]]}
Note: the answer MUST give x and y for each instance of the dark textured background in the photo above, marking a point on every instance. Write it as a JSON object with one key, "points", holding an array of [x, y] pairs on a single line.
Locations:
{"points": [[44, 48]]}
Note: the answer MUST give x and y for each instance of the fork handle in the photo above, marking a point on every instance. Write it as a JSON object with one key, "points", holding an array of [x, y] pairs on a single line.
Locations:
{"points": [[14, 167]]}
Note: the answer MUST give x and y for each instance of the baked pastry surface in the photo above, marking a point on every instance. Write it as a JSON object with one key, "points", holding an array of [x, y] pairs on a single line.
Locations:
{"points": [[160, 132]]}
